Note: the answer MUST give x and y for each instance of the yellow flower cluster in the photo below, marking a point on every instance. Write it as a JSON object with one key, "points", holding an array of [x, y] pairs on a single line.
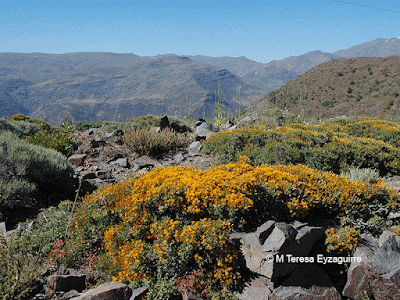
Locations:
{"points": [[181, 216], [345, 241]]}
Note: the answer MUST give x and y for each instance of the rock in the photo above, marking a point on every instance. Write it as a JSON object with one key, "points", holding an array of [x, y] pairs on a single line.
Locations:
{"points": [[103, 174], [164, 123], [71, 294], [66, 283], [122, 162], [257, 289], [307, 275], [108, 291], [179, 157], [145, 161], [97, 142], [138, 292], [3, 229], [281, 234], [247, 120], [206, 130], [264, 231], [364, 278], [195, 147], [77, 159], [299, 293], [226, 125]]}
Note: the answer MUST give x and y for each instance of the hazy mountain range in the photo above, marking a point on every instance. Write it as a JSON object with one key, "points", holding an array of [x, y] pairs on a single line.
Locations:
{"points": [[110, 86]]}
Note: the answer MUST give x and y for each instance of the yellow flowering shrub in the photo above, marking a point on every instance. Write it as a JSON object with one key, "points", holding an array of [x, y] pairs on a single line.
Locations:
{"points": [[346, 240], [173, 221], [326, 147]]}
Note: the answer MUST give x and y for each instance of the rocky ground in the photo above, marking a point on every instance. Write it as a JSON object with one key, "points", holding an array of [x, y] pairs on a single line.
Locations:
{"points": [[103, 158]]}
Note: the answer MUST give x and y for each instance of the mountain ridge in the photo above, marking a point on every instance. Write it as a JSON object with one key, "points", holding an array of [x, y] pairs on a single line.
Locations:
{"points": [[115, 86]]}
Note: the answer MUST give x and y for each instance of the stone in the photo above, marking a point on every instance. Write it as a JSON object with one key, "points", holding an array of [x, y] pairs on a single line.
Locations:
{"points": [[138, 293], [122, 162], [145, 161], [299, 293], [179, 157], [264, 231], [307, 275], [107, 291], [66, 283], [3, 229], [195, 147], [281, 234], [257, 289], [226, 125], [103, 174], [204, 128], [164, 123], [364, 278], [77, 159], [247, 120], [69, 295]]}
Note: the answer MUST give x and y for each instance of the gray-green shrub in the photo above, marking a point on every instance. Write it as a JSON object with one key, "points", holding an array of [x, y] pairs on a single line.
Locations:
{"points": [[29, 171], [20, 128]]}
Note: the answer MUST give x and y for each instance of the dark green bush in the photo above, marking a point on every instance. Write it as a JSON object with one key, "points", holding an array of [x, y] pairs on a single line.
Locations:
{"points": [[29, 171]]}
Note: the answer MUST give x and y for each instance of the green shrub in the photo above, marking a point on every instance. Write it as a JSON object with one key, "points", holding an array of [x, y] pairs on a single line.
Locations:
{"points": [[28, 171], [50, 225], [19, 271], [20, 128], [58, 139], [146, 141], [85, 125], [361, 174], [325, 150]]}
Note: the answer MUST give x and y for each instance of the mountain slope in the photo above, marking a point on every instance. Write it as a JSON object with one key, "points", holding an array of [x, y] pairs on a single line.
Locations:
{"points": [[96, 86], [351, 86]]}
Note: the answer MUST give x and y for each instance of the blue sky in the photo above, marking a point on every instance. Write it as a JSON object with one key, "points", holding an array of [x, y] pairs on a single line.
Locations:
{"points": [[259, 30]]}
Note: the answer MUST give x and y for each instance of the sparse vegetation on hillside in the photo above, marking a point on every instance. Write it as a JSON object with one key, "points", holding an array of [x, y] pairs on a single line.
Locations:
{"points": [[354, 86]]}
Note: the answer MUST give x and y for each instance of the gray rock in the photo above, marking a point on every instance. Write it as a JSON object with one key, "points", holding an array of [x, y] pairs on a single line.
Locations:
{"points": [[138, 292], [299, 293], [226, 125], [77, 159], [108, 291], [122, 162], [282, 234], [383, 260], [265, 230], [3, 229], [179, 157], [364, 278], [257, 289], [195, 147], [71, 294], [103, 174], [145, 161]]}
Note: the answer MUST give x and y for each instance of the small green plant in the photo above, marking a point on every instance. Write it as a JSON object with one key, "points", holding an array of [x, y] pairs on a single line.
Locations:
{"points": [[344, 241], [361, 174], [19, 271]]}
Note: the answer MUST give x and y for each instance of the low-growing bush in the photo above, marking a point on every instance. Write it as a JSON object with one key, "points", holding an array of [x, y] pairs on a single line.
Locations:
{"points": [[361, 174], [20, 128], [58, 139], [19, 272], [326, 151], [30, 172], [174, 221], [146, 141]]}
